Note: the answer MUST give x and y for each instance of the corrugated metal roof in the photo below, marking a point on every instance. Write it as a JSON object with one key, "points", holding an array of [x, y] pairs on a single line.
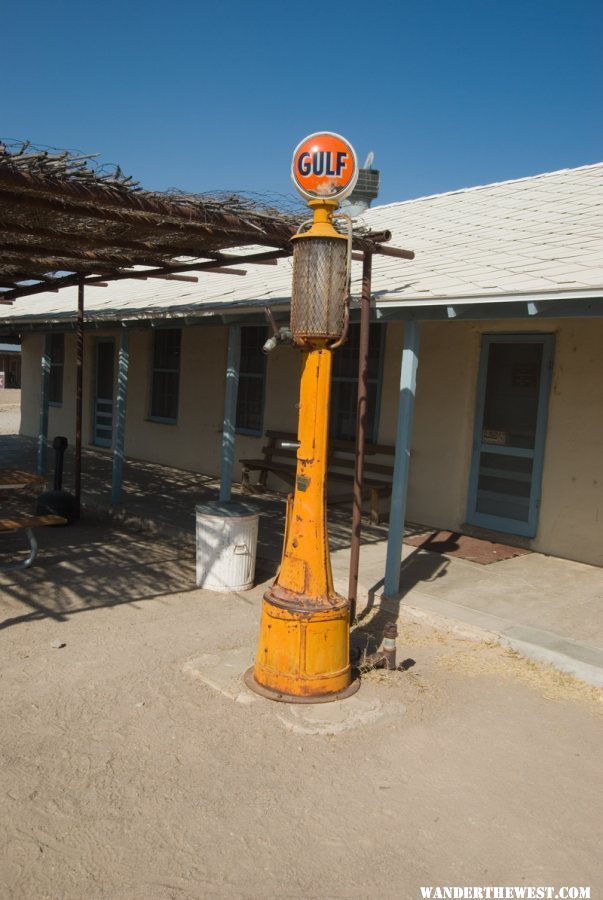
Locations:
{"points": [[541, 234]]}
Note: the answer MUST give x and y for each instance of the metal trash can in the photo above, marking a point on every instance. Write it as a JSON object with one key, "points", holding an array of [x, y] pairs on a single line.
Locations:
{"points": [[227, 539]]}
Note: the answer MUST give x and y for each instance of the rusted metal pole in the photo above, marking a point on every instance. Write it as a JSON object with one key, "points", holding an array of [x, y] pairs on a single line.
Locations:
{"points": [[363, 353], [79, 381]]}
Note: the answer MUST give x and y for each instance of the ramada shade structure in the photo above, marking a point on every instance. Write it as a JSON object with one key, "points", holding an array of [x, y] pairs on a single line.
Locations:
{"points": [[65, 220]]}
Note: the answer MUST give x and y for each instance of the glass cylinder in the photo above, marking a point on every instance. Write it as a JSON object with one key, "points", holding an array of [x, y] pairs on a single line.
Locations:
{"points": [[319, 287]]}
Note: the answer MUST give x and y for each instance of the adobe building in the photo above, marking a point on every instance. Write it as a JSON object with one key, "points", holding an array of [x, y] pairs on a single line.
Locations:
{"points": [[500, 310]]}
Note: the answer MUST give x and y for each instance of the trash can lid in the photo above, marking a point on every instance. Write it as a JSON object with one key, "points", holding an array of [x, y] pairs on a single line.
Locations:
{"points": [[226, 508]]}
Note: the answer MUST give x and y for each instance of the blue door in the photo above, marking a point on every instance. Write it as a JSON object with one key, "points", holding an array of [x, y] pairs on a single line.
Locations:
{"points": [[510, 428]]}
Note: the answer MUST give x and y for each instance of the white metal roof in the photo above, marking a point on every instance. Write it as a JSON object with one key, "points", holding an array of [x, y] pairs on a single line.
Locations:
{"points": [[534, 235]]}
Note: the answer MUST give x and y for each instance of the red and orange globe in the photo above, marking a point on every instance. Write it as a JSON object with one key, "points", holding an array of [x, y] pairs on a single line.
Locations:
{"points": [[324, 165]]}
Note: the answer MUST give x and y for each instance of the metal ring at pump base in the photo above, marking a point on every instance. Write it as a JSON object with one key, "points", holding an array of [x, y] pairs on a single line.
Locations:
{"points": [[271, 694]]}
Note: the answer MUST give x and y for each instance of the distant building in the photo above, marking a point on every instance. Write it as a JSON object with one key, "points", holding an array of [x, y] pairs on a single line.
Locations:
{"points": [[10, 366], [507, 284]]}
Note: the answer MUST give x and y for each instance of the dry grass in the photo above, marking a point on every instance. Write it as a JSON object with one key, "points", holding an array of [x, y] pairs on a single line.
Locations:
{"points": [[475, 660], [472, 659]]}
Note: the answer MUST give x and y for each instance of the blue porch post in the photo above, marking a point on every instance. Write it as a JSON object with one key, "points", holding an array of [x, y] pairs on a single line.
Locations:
{"points": [[120, 417], [408, 381], [43, 423], [233, 364]]}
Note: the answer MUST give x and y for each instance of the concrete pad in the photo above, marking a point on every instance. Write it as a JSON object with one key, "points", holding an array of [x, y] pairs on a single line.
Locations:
{"points": [[223, 671], [339, 716]]}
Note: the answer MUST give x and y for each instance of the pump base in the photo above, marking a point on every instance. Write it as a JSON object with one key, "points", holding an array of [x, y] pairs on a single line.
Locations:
{"points": [[271, 694]]}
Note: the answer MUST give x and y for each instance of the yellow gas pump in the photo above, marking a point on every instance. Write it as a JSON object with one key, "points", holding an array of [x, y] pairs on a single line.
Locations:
{"points": [[303, 649]]}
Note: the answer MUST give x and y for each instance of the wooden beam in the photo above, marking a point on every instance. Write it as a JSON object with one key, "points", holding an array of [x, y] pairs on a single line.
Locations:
{"points": [[71, 280], [223, 270], [177, 277]]}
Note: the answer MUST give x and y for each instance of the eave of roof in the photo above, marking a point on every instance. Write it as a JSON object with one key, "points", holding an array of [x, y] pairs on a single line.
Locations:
{"points": [[536, 237]]}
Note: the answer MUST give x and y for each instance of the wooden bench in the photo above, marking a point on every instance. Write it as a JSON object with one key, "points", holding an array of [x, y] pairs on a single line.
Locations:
{"points": [[279, 457], [17, 479], [27, 524]]}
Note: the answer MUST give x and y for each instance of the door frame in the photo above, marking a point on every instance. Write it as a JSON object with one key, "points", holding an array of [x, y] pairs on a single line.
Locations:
{"points": [[95, 441], [487, 520]]}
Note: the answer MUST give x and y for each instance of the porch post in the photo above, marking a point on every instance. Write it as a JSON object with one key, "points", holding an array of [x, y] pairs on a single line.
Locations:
{"points": [[408, 381], [43, 422], [233, 364], [120, 416], [79, 387]]}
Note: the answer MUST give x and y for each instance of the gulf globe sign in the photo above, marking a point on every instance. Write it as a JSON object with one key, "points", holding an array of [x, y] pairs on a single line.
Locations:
{"points": [[324, 167]]}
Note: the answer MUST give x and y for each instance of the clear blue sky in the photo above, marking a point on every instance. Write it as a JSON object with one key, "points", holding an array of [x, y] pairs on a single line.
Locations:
{"points": [[208, 96]]}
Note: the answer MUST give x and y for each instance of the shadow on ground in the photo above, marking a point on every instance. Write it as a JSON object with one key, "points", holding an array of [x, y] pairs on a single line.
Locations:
{"points": [[88, 566], [367, 632], [166, 497]]}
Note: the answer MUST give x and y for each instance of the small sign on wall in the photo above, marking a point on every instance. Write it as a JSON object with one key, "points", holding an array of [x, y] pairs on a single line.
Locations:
{"points": [[494, 437], [2, 382], [525, 377]]}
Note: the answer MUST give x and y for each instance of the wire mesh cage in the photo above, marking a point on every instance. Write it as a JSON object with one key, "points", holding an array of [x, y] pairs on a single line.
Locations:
{"points": [[319, 288]]}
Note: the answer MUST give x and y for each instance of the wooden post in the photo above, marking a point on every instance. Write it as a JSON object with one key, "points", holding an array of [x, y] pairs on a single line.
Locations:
{"points": [[408, 381], [365, 324]]}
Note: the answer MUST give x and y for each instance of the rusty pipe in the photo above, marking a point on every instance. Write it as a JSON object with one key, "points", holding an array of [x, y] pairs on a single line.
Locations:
{"points": [[365, 320]]}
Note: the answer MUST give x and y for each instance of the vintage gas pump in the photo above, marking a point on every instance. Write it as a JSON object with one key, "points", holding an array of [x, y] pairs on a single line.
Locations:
{"points": [[303, 650]]}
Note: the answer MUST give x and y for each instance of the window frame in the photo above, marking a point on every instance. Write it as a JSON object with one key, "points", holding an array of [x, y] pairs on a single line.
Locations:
{"points": [[260, 376], [56, 366], [372, 438], [164, 420]]}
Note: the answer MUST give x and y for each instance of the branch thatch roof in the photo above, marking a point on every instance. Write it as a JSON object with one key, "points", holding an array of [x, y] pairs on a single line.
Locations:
{"points": [[66, 218]]}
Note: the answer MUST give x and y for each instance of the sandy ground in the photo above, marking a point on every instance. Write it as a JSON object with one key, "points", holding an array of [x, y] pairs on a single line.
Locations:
{"points": [[10, 418], [123, 776]]}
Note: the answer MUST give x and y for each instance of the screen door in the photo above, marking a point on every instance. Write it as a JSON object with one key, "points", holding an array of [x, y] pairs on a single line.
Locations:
{"points": [[510, 426]]}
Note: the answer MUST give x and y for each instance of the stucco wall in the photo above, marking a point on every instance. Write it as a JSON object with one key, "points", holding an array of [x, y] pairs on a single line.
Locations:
{"points": [[571, 514], [572, 489], [194, 442], [443, 419], [572, 483]]}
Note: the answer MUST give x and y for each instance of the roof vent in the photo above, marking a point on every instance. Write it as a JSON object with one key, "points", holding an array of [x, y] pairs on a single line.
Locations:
{"points": [[365, 191]]}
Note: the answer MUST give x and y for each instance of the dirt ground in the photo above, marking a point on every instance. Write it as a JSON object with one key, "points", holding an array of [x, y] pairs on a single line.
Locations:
{"points": [[10, 418], [124, 777]]}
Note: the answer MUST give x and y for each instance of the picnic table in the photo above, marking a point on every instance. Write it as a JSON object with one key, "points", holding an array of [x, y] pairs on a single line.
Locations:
{"points": [[18, 480]]}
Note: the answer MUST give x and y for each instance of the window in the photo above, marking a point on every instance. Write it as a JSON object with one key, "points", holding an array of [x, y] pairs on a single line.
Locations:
{"points": [[344, 385], [252, 377], [56, 352], [166, 375]]}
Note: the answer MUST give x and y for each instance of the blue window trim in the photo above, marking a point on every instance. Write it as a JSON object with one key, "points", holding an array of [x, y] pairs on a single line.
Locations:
{"points": [[165, 420], [57, 404], [500, 523], [378, 381], [95, 440], [158, 420], [261, 376], [382, 352]]}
